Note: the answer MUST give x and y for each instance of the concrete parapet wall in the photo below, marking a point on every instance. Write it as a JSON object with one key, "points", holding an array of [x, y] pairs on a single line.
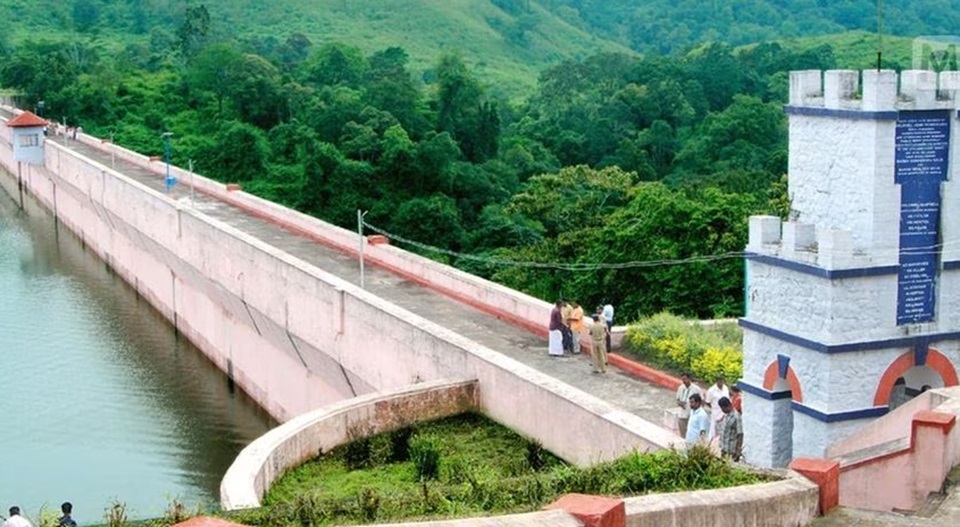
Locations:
{"points": [[493, 298], [789, 502], [896, 461], [792, 501], [886, 429], [308, 435], [291, 335], [873, 90], [503, 302]]}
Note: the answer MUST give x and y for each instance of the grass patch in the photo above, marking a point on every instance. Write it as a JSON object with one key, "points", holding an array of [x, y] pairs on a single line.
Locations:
{"points": [[481, 469]]}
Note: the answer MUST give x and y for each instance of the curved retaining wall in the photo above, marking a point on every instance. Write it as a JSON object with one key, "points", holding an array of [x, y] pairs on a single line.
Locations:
{"points": [[791, 501], [291, 335], [306, 436]]}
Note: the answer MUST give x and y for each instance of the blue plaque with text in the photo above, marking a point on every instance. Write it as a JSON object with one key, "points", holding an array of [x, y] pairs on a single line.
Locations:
{"points": [[922, 155]]}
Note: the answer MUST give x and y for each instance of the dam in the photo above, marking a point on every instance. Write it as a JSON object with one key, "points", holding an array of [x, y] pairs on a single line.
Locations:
{"points": [[271, 297]]}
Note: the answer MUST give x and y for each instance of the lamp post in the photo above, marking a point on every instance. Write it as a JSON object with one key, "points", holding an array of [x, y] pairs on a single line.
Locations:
{"points": [[169, 181], [192, 186], [360, 216]]}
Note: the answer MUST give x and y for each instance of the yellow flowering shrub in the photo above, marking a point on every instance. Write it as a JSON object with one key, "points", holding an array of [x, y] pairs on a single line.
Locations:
{"points": [[674, 349], [671, 342], [724, 361]]}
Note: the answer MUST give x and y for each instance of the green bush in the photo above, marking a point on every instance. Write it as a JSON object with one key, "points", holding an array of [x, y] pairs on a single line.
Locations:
{"points": [[536, 455], [425, 454], [369, 503], [478, 476], [357, 453], [674, 343], [400, 444]]}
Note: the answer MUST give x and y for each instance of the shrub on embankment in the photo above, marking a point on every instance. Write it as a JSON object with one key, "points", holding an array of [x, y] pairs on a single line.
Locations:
{"points": [[482, 469], [680, 345]]}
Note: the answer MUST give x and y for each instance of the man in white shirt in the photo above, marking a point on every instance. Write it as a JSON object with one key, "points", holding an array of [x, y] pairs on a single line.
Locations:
{"points": [[608, 318], [684, 391], [716, 392], [15, 520]]}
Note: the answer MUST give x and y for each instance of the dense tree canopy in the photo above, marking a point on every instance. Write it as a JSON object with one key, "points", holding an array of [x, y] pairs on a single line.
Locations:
{"points": [[592, 187]]}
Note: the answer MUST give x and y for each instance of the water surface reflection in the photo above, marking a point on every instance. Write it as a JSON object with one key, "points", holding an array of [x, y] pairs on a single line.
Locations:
{"points": [[101, 399]]}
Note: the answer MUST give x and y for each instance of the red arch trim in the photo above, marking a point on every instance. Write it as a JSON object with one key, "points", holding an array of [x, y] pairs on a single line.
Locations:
{"points": [[772, 375], [937, 361]]}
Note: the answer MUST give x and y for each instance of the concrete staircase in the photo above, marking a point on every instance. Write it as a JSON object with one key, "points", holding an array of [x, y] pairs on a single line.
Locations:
{"points": [[941, 508]]}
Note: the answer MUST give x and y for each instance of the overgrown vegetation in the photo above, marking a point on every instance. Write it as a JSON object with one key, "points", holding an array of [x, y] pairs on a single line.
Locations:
{"points": [[483, 469], [682, 345]]}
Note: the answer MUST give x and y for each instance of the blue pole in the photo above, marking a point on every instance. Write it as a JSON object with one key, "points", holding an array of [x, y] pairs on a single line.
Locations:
{"points": [[169, 181]]}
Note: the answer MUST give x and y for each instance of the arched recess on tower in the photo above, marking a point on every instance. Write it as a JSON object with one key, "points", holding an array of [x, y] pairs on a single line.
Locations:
{"points": [[913, 370], [780, 377], [781, 380]]}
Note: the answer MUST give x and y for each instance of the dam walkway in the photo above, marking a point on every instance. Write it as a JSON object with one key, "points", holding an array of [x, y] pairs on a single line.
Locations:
{"points": [[618, 388]]}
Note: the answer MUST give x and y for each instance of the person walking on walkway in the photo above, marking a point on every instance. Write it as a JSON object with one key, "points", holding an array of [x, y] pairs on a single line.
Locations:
{"points": [[15, 520], [698, 431], [598, 334], [716, 392], [731, 430], [576, 326], [566, 310], [608, 318], [555, 343], [684, 391]]}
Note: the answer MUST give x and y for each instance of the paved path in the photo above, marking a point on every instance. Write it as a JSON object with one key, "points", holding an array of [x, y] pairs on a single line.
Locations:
{"points": [[639, 397]]}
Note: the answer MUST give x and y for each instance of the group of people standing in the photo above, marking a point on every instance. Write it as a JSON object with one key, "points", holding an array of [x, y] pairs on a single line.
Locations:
{"points": [[722, 422], [567, 325], [18, 520]]}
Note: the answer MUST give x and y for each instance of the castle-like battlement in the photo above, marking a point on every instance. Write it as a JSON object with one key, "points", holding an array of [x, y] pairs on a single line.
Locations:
{"points": [[874, 91], [830, 249]]}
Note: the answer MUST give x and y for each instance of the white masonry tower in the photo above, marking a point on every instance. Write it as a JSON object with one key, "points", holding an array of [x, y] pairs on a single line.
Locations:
{"points": [[853, 305]]}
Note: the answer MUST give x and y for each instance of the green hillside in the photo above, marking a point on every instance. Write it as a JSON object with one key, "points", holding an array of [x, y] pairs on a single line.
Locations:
{"points": [[667, 26], [507, 47], [858, 49]]}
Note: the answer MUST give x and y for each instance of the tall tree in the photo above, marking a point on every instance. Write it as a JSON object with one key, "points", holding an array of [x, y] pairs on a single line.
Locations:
{"points": [[464, 112], [215, 70], [193, 31], [86, 14]]}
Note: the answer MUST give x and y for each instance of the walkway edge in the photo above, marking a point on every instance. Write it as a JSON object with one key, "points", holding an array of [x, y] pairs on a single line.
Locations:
{"points": [[657, 377]]}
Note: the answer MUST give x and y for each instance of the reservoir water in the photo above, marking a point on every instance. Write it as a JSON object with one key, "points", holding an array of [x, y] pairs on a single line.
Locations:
{"points": [[101, 400]]}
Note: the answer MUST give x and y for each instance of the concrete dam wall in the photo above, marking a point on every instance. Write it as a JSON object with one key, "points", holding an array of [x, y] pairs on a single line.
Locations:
{"points": [[288, 333]]}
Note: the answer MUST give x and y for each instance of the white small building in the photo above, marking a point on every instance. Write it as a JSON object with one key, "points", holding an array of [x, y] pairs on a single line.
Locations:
{"points": [[28, 138], [853, 304]]}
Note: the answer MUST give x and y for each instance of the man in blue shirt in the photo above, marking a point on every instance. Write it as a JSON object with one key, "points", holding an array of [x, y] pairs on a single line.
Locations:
{"points": [[67, 519], [698, 429]]}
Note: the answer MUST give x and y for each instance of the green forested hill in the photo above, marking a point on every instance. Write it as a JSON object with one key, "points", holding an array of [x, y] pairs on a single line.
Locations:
{"points": [[671, 25], [506, 42], [499, 132], [506, 45]]}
